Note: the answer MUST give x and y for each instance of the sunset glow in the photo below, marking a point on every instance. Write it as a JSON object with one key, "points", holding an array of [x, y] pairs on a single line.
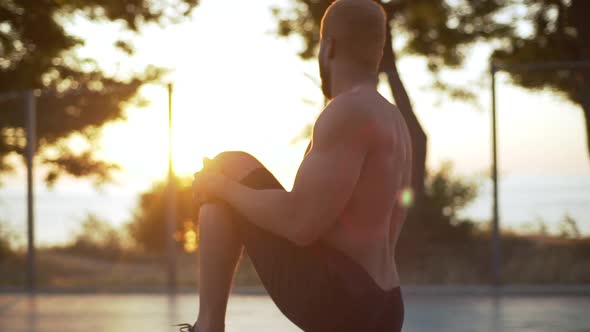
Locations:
{"points": [[246, 89], [240, 87]]}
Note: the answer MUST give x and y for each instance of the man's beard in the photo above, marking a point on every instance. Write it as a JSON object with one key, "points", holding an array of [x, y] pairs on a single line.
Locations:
{"points": [[326, 83]]}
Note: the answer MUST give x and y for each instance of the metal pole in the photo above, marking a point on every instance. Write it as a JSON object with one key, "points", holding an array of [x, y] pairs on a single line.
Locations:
{"points": [[171, 205], [494, 68], [496, 244], [31, 127]]}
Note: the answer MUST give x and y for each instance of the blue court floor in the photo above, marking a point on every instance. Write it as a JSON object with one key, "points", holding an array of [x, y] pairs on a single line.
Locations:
{"points": [[425, 311]]}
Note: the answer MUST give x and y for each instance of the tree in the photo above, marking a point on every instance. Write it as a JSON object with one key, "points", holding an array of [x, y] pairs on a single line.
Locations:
{"points": [[444, 32], [148, 227], [441, 226], [559, 31], [76, 95]]}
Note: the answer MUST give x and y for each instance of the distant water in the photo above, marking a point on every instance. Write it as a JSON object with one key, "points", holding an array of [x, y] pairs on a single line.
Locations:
{"points": [[59, 213], [524, 200]]}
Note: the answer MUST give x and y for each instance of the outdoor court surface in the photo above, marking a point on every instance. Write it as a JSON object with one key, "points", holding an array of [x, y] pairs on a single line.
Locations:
{"points": [[249, 313]]}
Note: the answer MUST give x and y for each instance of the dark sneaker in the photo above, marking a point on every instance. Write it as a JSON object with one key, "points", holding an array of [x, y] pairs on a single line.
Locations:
{"points": [[186, 328]]}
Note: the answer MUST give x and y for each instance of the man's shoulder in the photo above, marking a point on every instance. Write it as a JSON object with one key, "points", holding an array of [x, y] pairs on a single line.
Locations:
{"points": [[349, 110], [363, 104], [345, 118], [349, 102]]}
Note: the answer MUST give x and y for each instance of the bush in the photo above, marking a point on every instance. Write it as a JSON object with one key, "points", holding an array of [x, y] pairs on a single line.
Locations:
{"points": [[7, 239], [436, 218], [568, 228], [96, 238], [433, 225], [148, 227]]}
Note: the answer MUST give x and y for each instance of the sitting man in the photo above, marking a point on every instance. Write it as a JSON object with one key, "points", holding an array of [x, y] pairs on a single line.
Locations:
{"points": [[325, 250]]}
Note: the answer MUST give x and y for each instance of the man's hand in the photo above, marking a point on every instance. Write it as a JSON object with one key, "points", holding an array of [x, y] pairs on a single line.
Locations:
{"points": [[207, 183]]}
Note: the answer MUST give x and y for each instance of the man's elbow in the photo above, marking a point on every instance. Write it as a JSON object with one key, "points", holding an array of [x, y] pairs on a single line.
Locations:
{"points": [[303, 230]]}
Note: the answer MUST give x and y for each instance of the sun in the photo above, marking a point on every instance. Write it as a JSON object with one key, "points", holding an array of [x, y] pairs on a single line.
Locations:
{"points": [[250, 94], [199, 129], [139, 144]]}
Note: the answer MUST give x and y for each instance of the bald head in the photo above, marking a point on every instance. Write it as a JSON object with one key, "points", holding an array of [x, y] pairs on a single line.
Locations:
{"points": [[357, 28]]}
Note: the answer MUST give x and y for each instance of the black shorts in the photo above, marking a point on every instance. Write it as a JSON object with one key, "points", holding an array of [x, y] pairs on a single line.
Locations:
{"points": [[318, 288]]}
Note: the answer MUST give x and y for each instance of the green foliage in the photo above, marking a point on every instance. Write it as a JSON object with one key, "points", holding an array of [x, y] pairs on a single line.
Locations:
{"points": [[449, 194], [558, 30], [37, 52], [446, 195], [148, 227]]}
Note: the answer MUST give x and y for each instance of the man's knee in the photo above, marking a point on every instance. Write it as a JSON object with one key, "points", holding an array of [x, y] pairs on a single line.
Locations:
{"points": [[236, 164]]}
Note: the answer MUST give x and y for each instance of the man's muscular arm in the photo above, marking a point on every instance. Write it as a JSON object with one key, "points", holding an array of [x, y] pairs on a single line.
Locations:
{"points": [[324, 183]]}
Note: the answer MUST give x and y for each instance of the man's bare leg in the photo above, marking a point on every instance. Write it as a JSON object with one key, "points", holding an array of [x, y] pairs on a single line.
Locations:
{"points": [[220, 249]]}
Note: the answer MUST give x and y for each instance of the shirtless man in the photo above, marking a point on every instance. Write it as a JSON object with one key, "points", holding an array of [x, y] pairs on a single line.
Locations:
{"points": [[325, 250]]}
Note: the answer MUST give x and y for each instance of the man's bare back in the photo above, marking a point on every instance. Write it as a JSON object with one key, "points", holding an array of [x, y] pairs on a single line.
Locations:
{"points": [[370, 224]]}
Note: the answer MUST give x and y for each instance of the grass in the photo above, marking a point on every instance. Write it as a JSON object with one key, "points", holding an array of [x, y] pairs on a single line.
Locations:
{"points": [[526, 260]]}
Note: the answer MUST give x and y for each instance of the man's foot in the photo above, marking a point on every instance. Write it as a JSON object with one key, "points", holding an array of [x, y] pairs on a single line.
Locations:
{"points": [[187, 327]]}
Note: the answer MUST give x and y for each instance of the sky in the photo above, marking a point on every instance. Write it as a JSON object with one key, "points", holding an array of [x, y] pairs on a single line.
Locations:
{"points": [[237, 86]]}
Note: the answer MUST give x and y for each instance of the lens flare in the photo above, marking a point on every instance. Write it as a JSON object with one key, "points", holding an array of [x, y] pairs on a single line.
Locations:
{"points": [[407, 197], [190, 237]]}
